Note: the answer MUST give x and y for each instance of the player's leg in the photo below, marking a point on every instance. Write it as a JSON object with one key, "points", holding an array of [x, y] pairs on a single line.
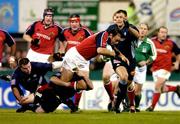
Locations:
{"points": [[156, 95], [123, 75], [139, 79], [26, 103], [138, 90], [48, 101], [107, 72], [131, 96], [160, 77], [78, 95]]}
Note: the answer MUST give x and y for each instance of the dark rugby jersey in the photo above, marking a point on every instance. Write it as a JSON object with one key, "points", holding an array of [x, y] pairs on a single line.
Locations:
{"points": [[129, 44], [32, 81]]}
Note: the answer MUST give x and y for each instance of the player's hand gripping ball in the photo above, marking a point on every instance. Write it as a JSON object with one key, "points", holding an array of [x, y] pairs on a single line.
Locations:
{"points": [[107, 58]]}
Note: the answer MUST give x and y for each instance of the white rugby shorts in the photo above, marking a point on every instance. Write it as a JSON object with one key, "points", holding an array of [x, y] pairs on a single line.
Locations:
{"points": [[37, 57], [140, 74], [73, 60], [162, 74]]}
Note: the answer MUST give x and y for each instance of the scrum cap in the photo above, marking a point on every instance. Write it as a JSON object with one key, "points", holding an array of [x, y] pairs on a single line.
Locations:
{"points": [[48, 11]]}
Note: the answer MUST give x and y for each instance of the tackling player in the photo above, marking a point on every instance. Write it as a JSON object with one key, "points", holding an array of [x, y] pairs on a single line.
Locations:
{"points": [[29, 75]]}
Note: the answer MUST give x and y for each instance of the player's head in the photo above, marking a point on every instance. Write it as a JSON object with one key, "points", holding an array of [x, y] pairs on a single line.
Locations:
{"points": [[48, 16], [119, 17], [25, 65], [162, 33], [74, 22], [114, 34], [143, 30]]}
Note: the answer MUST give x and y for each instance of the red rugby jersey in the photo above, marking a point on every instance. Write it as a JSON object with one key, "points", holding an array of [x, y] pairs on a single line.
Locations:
{"points": [[47, 36], [164, 54], [75, 39], [88, 47], [5, 38]]}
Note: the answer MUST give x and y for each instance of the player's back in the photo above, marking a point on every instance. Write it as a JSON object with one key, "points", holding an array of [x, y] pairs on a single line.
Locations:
{"points": [[88, 47]]}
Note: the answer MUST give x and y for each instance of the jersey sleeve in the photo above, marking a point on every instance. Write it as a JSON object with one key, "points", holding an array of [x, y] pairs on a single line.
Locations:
{"points": [[15, 83], [87, 32], [60, 34], [101, 39], [9, 40], [176, 49], [153, 53], [43, 67], [30, 29]]}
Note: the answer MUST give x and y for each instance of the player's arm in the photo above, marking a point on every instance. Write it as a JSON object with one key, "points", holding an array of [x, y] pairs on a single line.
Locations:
{"points": [[132, 29], [176, 50], [85, 78], [27, 36], [105, 52], [16, 90], [134, 32], [153, 53], [45, 67], [12, 44], [62, 48], [56, 80]]}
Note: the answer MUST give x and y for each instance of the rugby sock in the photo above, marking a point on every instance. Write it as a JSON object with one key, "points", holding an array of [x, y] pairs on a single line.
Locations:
{"points": [[155, 99], [137, 100], [131, 97], [70, 104], [171, 88], [121, 95], [77, 98], [109, 90], [123, 90]]}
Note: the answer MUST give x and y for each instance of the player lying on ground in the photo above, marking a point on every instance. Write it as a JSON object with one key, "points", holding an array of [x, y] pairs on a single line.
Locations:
{"points": [[29, 76], [49, 96]]}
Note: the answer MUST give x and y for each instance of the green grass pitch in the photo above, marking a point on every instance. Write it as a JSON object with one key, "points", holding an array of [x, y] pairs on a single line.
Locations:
{"points": [[8, 116]]}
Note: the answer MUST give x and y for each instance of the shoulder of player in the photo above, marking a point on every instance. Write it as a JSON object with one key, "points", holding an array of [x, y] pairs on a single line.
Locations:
{"points": [[86, 29], [58, 26], [66, 29], [149, 41], [133, 26]]}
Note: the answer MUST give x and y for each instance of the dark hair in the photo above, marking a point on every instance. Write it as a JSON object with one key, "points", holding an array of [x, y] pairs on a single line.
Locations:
{"points": [[48, 11], [113, 29], [23, 61], [74, 15], [120, 11]]}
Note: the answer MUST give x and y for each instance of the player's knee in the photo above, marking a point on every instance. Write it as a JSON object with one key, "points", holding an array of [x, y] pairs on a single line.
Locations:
{"points": [[81, 86], [106, 79]]}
